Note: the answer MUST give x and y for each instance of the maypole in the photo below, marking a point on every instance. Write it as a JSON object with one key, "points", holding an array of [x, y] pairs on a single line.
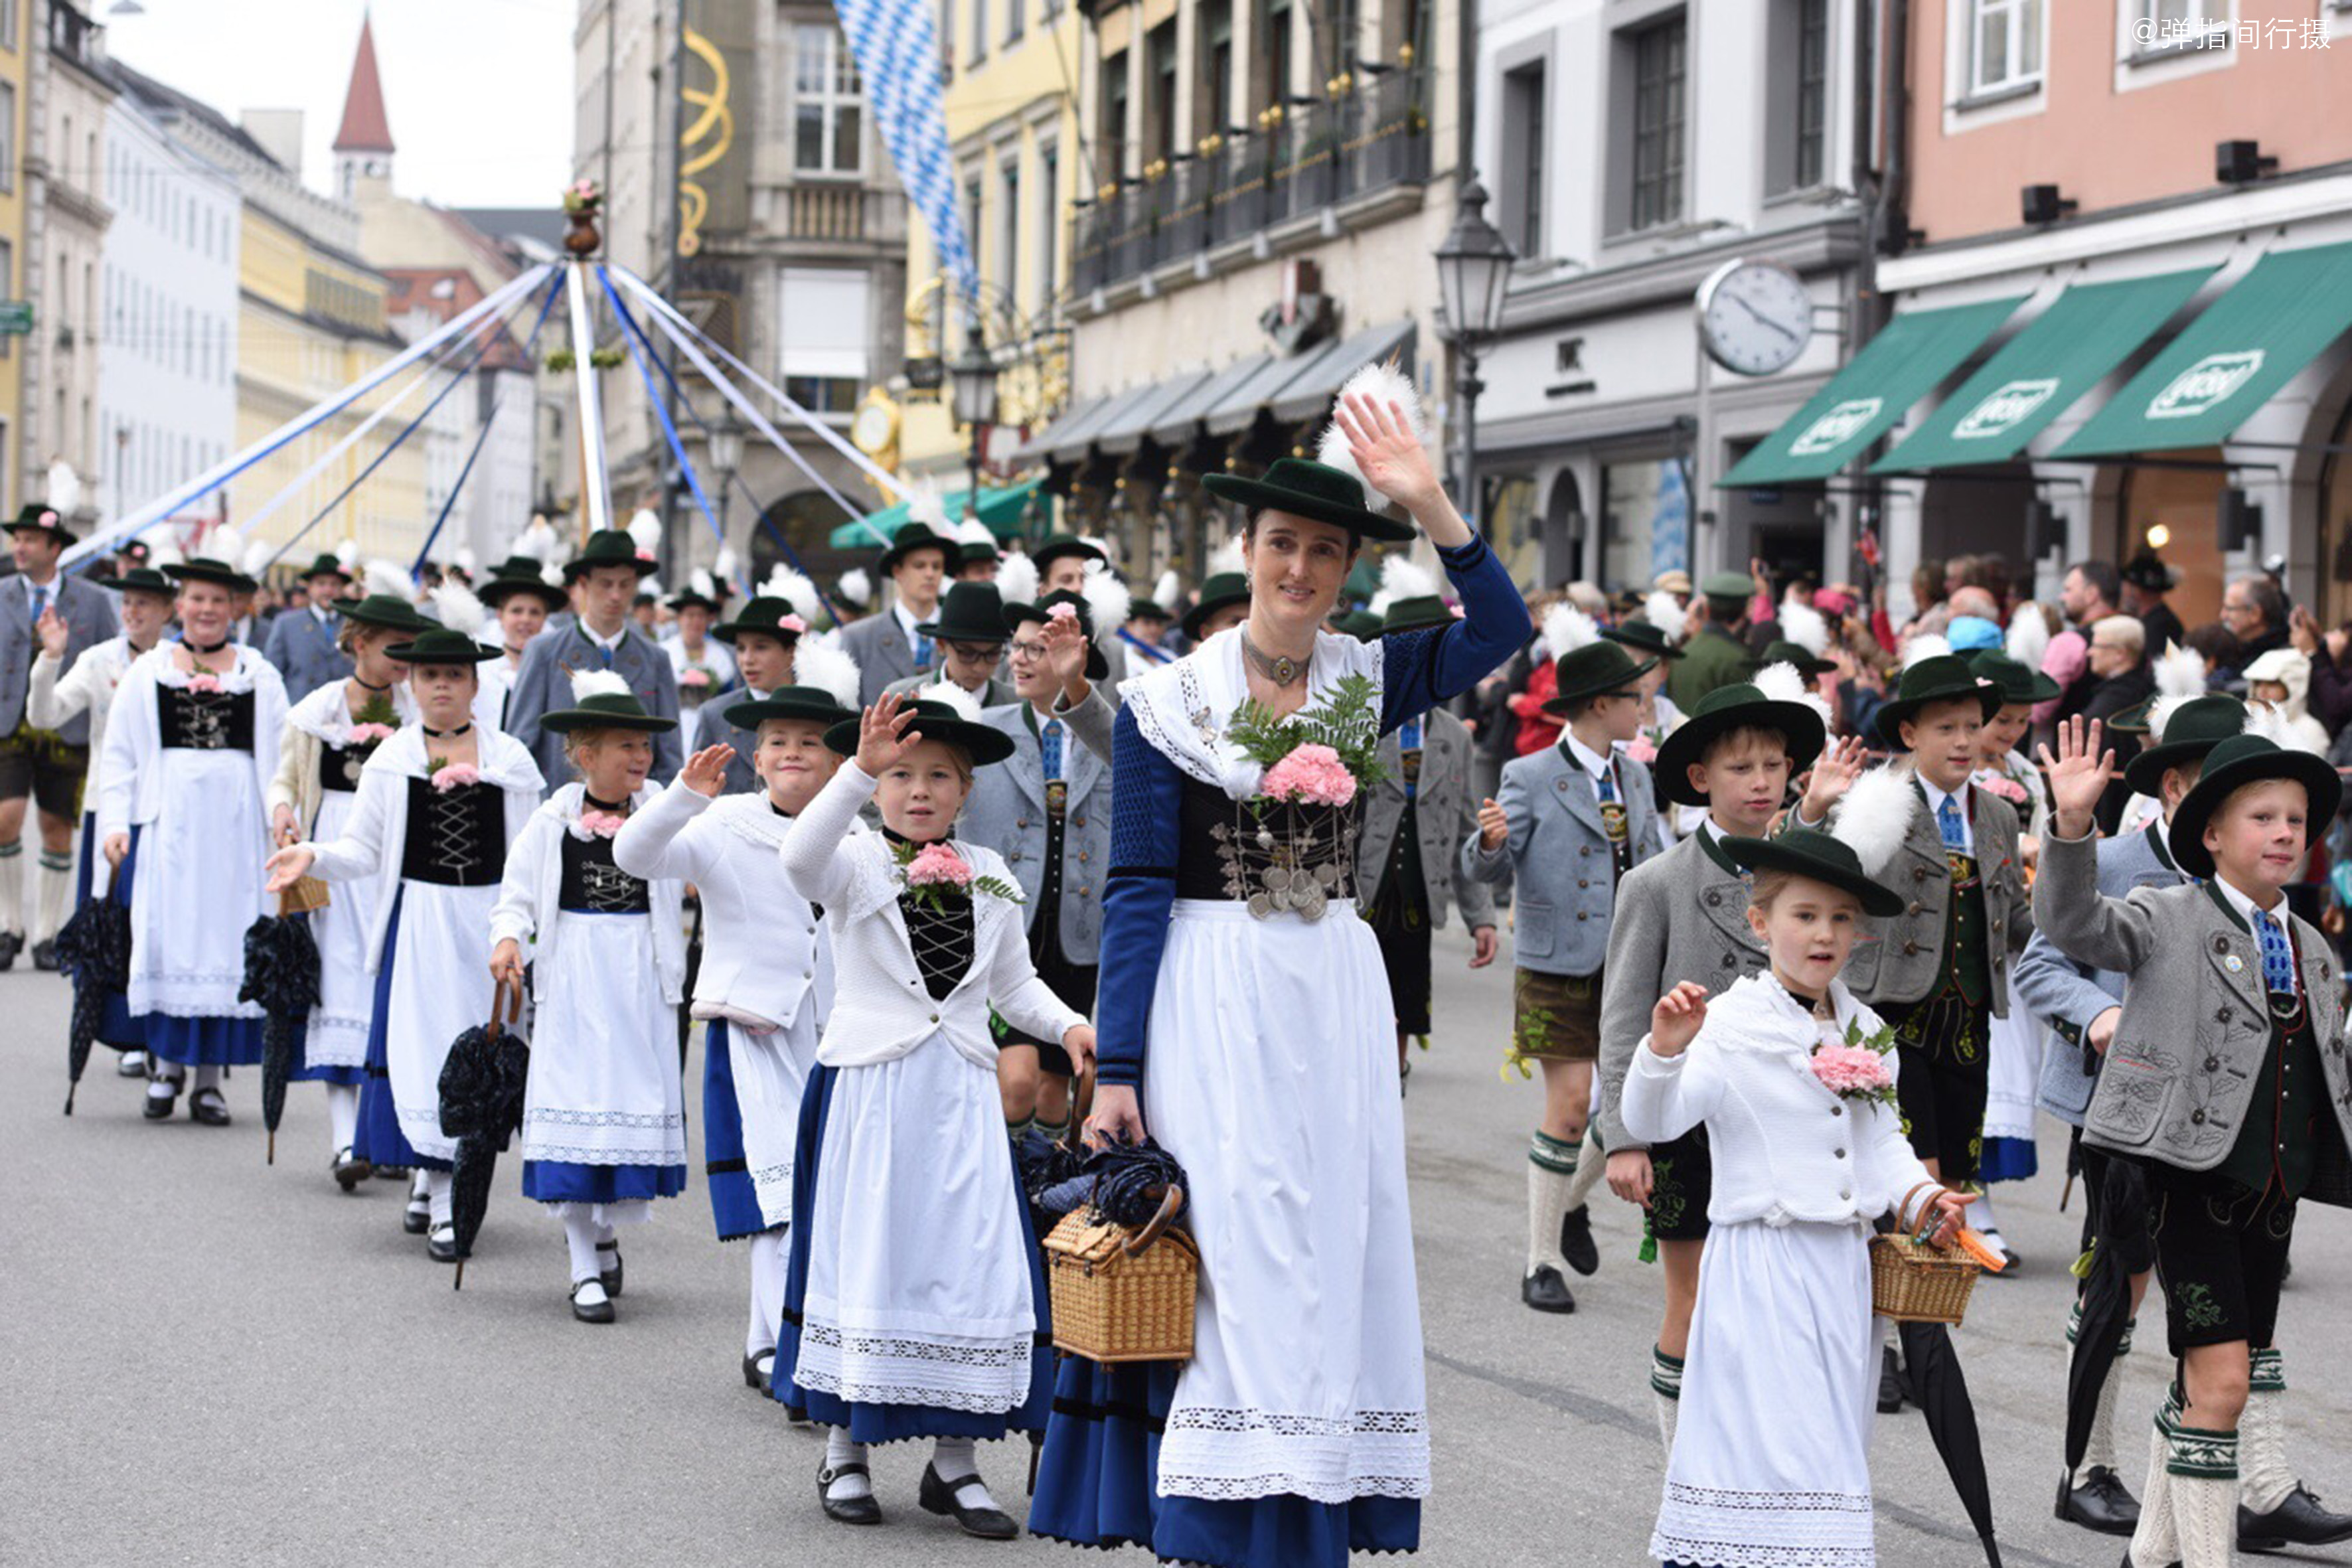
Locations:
{"points": [[580, 204]]}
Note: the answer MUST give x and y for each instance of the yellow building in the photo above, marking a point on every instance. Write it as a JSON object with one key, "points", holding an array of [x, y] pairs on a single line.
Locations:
{"points": [[17, 24], [1013, 122]]}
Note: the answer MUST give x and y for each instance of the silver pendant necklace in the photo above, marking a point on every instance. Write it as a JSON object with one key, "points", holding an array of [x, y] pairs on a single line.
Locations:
{"points": [[1280, 669]]}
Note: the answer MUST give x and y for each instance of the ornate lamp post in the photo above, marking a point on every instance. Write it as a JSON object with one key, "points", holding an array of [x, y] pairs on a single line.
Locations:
{"points": [[972, 392], [1473, 266]]}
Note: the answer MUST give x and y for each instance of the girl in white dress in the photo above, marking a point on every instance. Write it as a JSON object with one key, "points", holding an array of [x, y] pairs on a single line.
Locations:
{"points": [[603, 1121], [330, 736], [914, 1305], [191, 747], [1794, 1080], [437, 806]]}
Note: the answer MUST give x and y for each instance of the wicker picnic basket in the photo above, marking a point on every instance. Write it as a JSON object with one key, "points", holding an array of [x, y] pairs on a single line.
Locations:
{"points": [[1123, 1294], [1914, 1281]]}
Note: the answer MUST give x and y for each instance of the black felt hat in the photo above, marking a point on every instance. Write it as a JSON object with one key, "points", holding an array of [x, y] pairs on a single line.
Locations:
{"points": [[442, 645], [1222, 591], [983, 743], [607, 711], [2195, 728], [2018, 681], [1783, 651], [386, 610], [2147, 572], [1015, 615], [520, 575], [693, 598], [1061, 544], [327, 564], [1721, 710], [1304, 488], [2230, 766], [1146, 610], [1594, 671], [765, 615], [968, 612], [1810, 852], [40, 517], [1944, 677], [205, 569], [138, 580], [607, 547], [1641, 635], [914, 536], [813, 703], [1416, 613]]}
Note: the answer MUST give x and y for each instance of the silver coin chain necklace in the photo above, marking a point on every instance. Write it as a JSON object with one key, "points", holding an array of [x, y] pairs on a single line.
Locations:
{"points": [[1280, 669]]}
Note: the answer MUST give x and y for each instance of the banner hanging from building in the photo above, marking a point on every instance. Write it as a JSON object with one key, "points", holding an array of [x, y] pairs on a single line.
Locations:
{"points": [[898, 55]]}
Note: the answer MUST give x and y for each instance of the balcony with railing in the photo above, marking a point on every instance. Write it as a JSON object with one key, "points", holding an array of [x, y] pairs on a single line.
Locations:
{"points": [[1361, 139]]}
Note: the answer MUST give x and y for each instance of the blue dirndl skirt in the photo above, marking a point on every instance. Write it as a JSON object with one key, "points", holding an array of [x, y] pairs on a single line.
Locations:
{"points": [[877, 1424], [734, 1203], [379, 1139], [570, 1182], [1099, 1474], [2008, 1159]]}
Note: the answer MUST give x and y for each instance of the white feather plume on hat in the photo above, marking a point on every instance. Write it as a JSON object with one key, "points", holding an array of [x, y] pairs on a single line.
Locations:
{"points": [[855, 585], [552, 575], [2029, 635], [948, 694], [1164, 592], [348, 551], [162, 555], [699, 581], [1108, 599], [460, 610], [389, 578], [1401, 578], [644, 530], [971, 530], [819, 660], [2179, 680], [725, 567], [927, 506], [537, 540], [1381, 384], [1667, 613], [2266, 720], [1805, 627], [1873, 817], [1567, 629], [1783, 683], [587, 683], [794, 588], [463, 559], [1926, 646], [1016, 578]]}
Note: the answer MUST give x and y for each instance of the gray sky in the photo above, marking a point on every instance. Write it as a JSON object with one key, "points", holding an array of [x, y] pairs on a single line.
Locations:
{"points": [[478, 92]]}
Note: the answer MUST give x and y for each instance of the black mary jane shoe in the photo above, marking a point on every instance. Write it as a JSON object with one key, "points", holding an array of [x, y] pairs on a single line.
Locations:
{"points": [[611, 1276], [417, 1219], [134, 1064], [12, 942], [988, 1524], [2101, 1503], [208, 1105], [1890, 1381], [350, 1169], [2298, 1521], [1576, 1243], [159, 1107], [757, 1376], [1546, 1291], [45, 957], [592, 1311], [848, 1509], [441, 1245]]}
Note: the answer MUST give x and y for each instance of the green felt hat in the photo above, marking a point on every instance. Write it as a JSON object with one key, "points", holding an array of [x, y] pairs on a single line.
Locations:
{"points": [[978, 553], [2018, 681], [968, 612], [766, 615], [1146, 610], [813, 703], [1718, 588], [1944, 677], [520, 575], [205, 569], [983, 743], [1721, 710], [1810, 852], [387, 610], [1782, 652], [607, 547], [1416, 615], [607, 711], [443, 645], [40, 517], [1361, 625], [1061, 544], [691, 598], [1594, 671], [2195, 728], [327, 563], [2230, 766], [1017, 616], [1641, 635], [1222, 591], [914, 536], [138, 580], [1304, 488]]}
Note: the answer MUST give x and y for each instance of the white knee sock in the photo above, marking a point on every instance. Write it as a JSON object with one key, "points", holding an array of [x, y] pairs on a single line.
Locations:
{"points": [[2203, 1466], [1666, 1391], [1551, 1171], [54, 888], [342, 1114], [2264, 1480], [2155, 1543], [416, 1187], [2100, 1450], [437, 1197], [1981, 1218], [1591, 1164], [951, 1458], [839, 1451], [207, 1078], [768, 1261], [580, 1236], [12, 886]]}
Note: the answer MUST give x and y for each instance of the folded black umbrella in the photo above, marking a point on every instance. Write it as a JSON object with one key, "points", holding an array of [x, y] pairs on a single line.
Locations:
{"points": [[93, 950], [281, 973], [2117, 1222], [482, 1085], [1942, 1394]]}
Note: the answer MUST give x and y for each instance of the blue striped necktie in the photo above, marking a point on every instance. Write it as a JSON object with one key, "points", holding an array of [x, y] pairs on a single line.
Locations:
{"points": [[2278, 954], [1949, 824]]}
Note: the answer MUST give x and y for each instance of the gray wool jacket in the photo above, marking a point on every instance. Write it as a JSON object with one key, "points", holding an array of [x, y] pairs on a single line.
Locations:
{"points": [[1447, 815], [1558, 852], [1897, 960]]}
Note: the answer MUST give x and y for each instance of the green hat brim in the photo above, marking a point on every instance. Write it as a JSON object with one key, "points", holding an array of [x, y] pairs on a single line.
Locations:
{"points": [[2316, 773], [898, 551], [1790, 854], [1198, 616], [1618, 682], [982, 743], [566, 720], [373, 611], [1053, 550], [727, 632], [804, 703], [212, 572], [1258, 495], [578, 566], [1798, 725], [1894, 715], [63, 535], [1097, 665], [448, 648], [1416, 615], [2143, 775], [154, 582], [498, 590], [1648, 639]]}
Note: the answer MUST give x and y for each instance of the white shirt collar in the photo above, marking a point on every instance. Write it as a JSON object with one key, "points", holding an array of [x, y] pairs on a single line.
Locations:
{"points": [[2245, 907], [1591, 760], [611, 644], [907, 621], [321, 613]]}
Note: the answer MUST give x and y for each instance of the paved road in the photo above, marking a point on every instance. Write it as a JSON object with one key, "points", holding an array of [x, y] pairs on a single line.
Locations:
{"points": [[205, 1360]]}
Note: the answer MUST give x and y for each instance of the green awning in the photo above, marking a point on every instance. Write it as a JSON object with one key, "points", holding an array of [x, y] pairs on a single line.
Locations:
{"points": [[1003, 510], [1894, 370], [2061, 353], [2212, 377]]}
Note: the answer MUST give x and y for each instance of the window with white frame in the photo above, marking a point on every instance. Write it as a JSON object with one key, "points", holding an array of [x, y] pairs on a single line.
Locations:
{"points": [[823, 313], [828, 103], [2179, 24], [2004, 45]]}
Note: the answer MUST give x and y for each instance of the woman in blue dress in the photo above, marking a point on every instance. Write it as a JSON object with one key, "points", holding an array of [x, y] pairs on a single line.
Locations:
{"points": [[1246, 1022]]}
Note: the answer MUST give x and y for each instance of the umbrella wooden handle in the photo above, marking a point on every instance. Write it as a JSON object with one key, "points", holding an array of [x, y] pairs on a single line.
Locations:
{"points": [[506, 1003], [1140, 1242]]}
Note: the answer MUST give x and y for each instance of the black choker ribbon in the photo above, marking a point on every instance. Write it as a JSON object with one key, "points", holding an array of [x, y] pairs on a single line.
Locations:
{"points": [[202, 652], [370, 686], [464, 729]]}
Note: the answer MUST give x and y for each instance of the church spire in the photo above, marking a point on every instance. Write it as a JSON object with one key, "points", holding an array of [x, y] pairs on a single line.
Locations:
{"points": [[363, 143]]}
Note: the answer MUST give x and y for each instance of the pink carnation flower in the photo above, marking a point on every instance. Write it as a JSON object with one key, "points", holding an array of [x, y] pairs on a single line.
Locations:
{"points": [[603, 824], [456, 775], [1314, 774], [2009, 790], [1063, 612], [1642, 749], [1851, 1070], [361, 734], [694, 677], [938, 866], [204, 683], [792, 624]]}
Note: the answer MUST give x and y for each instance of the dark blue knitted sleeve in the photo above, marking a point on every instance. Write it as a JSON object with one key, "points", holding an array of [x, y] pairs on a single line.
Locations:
{"points": [[1146, 805], [1426, 667]]}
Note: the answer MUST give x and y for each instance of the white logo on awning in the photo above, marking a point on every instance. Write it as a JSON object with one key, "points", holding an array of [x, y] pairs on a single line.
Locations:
{"points": [[1836, 428], [2004, 408], [2205, 386]]}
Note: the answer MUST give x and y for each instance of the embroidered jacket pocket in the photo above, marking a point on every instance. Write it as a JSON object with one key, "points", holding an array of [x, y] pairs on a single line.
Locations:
{"points": [[2133, 1086]]}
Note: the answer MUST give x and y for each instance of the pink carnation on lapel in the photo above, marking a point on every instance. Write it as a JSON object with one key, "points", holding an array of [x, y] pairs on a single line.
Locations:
{"points": [[938, 866], [694, 677], [1311, 774], [363, 734], [204, 683], [455, 776], [603, 824], [1851, 1069]]}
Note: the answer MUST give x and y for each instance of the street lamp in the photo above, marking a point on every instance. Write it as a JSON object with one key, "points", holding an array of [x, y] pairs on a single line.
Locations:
{"points": [[723, 446], [1473, 266], [974, 400]]}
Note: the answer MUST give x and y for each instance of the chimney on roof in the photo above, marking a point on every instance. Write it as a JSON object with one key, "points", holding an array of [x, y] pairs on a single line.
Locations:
{"points": [[279, 132], [364, 142]]}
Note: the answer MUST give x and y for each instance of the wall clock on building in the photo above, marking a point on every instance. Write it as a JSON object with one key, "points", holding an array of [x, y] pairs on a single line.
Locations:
{"points": [[875, 428], [1754, 317]]}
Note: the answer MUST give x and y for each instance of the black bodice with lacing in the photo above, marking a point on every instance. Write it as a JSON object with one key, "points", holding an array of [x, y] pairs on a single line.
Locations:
{"points": [[457, 837]]}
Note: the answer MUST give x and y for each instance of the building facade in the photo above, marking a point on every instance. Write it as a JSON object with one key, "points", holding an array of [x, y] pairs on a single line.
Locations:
{"points": [[66, 234], [18, 58]]}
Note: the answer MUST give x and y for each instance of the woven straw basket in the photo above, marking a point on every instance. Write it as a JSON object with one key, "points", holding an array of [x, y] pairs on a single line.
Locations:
{"points": [[1913, 1281], [307, 896], [1123, 1295]]}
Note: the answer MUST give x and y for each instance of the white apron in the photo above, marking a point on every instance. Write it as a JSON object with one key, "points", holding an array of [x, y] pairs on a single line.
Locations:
{"points": [[771, 1072], [199, 886], [603, 1086], [338, 1034], [440, 987]]}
